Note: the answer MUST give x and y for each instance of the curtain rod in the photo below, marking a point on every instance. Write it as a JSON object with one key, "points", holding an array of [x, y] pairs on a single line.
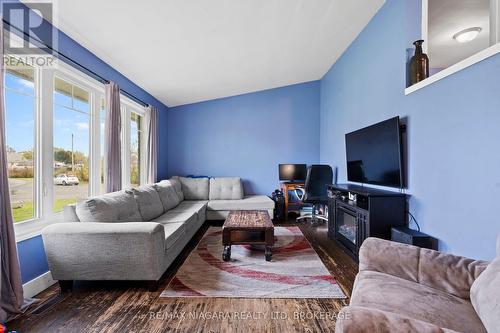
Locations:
{"points": [[75, 64]]}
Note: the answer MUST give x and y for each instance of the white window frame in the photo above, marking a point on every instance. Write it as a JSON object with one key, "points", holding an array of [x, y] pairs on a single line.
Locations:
{"points": [[493, 49], [96, 93], [36, 145], [43, 148]]}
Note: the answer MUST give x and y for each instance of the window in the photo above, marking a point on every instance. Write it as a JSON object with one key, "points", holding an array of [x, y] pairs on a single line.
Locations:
{"points": [[53, 118], [102, 159], [133, 144], [20, 104], [55, 124], [135, 148], [71, 143]]}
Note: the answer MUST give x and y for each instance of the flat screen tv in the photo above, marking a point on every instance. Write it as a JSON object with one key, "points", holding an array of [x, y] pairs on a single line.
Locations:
{"points": [[293, 172], [374, 154]]}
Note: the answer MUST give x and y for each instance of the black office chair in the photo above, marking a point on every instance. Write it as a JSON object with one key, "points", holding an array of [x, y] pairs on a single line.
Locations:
{"points": [[315, 191]]}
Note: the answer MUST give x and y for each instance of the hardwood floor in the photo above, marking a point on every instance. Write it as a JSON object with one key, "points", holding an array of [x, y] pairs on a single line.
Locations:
{"points": [[130, 307]]}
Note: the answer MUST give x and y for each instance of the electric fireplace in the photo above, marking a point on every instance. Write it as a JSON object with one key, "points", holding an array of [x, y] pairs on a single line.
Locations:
{"points": [[357, 212]]}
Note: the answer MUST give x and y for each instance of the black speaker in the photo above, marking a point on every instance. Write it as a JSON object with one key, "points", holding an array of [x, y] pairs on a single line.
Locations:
{"points": [[279, 205], [413, 237]]}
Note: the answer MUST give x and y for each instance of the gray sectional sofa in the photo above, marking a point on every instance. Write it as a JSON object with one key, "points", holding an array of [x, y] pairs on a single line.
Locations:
{"points": [[135, 234]]}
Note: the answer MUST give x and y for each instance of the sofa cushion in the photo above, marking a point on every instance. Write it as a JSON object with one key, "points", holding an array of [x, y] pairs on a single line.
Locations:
{"points": [[446, 272], [178, 187], [393, 294], [226, 188], [354, 319], [194, 188], [110, 207], [176, 217], [173, 232], [194, 206], [168, 196], [252, 202], [197, 208], [485, 295], [148, 201]]}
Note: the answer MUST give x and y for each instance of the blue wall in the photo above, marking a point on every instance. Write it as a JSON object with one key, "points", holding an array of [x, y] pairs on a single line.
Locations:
{"points": [[246, 135], [31, 253], [453, 129]]}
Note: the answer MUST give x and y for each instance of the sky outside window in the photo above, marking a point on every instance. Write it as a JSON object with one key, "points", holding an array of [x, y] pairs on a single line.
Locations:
{"points": [[20, 135]]}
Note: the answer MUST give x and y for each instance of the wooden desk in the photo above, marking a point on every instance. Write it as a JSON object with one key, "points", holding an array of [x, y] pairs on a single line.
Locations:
{"points": [[285, 187]]}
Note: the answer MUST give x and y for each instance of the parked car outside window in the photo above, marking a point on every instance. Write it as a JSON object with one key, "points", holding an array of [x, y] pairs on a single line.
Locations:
{"points": [[64, 180]]}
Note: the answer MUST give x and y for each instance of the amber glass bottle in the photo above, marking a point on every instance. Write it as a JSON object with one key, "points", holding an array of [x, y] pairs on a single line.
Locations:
{"points": [[419, 64]]}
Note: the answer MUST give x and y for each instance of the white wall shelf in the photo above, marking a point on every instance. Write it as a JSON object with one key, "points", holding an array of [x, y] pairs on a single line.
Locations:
{"points": [[480, 56]]}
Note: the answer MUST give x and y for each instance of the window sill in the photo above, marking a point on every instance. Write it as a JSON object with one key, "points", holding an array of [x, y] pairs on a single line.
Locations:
{"points": [[480, 56], [33, 228]]}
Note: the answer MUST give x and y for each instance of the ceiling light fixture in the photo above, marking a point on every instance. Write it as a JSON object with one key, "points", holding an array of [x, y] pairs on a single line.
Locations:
{"points": [[467, 35]]}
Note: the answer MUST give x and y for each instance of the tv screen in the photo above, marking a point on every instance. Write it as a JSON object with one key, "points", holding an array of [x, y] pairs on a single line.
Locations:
{"points": [[292, 172], [374, 154]]}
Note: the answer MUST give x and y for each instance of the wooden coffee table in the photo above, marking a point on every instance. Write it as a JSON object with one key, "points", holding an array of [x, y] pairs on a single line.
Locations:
{"points": [[252, 227]]}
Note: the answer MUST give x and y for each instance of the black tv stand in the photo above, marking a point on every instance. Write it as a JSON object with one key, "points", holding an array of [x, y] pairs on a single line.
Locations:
{"points": [[357, 212]]}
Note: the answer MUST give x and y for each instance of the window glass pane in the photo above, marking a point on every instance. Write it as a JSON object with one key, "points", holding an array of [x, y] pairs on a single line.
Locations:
{"points": [[20, 133], [71, 145], [102, 124], [135, 148]]}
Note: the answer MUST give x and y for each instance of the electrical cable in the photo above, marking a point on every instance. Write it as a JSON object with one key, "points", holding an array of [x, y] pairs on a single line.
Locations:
{"points": [[414, 220]]}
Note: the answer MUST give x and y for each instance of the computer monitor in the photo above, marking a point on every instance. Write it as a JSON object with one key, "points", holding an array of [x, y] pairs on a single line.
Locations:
{"points": [[292, 172]]}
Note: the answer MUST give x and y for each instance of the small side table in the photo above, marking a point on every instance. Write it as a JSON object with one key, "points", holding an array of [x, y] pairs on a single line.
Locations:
{"points": [[285, 187]]}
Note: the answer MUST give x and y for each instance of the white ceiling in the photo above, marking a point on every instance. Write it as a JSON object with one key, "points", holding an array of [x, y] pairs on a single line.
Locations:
{"points": [[446, 18], [184, 51]]}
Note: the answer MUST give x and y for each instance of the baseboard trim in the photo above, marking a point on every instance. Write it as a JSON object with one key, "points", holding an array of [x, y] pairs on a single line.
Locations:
{"points": [[38, 284]]}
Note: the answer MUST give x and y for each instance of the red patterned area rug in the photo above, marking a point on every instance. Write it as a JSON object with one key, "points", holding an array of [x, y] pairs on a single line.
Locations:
{"points": [[296, 271]]}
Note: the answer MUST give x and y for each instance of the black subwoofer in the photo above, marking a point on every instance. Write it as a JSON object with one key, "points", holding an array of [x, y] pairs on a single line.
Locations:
{"points": [[413, 237], [279, 206]]}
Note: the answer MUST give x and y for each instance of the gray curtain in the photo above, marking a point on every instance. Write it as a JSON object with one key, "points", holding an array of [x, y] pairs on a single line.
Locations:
{"points": [[112, 136], [152, 147], [12, 301]]}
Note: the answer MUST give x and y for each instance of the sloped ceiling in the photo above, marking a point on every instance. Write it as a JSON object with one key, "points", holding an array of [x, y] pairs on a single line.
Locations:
{"points": [[185, 51]]}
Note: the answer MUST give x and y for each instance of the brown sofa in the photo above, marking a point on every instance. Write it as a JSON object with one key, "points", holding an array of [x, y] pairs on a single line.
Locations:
{"points": [[404, 288]]}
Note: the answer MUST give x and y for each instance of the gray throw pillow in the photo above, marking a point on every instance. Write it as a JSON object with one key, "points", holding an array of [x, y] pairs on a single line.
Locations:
{"points": [[110, 207], [485, 295], [194, 188], [148, 200], [225, 188], [168, 195]]}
